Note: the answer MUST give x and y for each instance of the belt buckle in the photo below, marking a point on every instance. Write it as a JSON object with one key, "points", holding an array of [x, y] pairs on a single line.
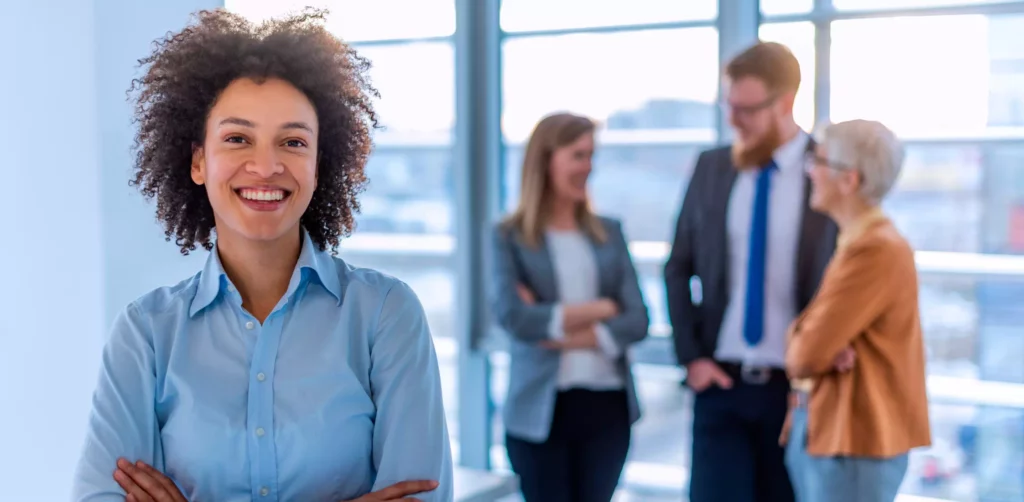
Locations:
{"points": [[755, 375]]}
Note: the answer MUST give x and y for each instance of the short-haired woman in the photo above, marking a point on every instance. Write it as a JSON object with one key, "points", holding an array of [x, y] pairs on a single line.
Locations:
{"points": [[856, 353]]}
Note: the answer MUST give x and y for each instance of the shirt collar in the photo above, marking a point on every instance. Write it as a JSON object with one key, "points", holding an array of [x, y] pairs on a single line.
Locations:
{"points": [[790, 156], [319, 264], [860, 226]]}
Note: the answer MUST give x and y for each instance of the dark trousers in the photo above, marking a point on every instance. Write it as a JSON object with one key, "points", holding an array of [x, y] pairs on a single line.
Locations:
{"points": [[584, 454], [736, 452]]}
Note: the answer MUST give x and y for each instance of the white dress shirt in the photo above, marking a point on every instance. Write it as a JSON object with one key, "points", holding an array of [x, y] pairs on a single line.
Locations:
{"points": [[576, 276], [785, 212]]}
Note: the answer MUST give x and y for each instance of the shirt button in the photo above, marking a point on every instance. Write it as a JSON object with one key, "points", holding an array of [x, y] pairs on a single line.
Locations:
{"points": [[249, 325], [261, 377], [264, 491], [260, 432]]}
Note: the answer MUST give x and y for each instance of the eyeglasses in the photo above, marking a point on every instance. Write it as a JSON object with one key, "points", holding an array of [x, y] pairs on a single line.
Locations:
{"points": [[747, 110], [812, 160]]}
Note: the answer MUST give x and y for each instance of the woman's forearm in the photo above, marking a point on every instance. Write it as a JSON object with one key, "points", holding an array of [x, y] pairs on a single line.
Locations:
{"points": [[581, 315]]}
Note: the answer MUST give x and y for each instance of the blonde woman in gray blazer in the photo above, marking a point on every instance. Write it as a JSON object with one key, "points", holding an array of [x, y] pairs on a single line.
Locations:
{"points": [[566, 291]]}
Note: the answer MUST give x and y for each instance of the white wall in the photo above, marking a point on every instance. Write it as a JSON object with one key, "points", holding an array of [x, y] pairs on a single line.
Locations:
{"points": [[50, 252], [135, 255], [76, 242]]}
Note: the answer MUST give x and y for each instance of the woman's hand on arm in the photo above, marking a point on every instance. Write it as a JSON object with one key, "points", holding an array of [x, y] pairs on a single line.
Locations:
{"points": [[581, 315], [398, 492], [845, 360], [585, 338], [142, 483], [577, 316]]}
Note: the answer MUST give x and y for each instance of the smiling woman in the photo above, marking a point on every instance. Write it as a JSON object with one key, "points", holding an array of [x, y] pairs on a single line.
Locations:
{"points": [[204, 88], [277, 372]]}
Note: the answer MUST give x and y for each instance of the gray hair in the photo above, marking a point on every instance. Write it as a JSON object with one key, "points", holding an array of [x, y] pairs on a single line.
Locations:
{"points": [[868, 147]]}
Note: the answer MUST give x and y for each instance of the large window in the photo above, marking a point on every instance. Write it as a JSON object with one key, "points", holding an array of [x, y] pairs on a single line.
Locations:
{"points": [[539, 15], [651, 113], [777, 7], [364, 20], [799, 37], [902, 4], [910, 73]]}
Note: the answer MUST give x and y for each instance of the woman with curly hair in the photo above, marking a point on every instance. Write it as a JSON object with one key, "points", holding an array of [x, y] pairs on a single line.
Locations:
{"points": [[278, 372]]}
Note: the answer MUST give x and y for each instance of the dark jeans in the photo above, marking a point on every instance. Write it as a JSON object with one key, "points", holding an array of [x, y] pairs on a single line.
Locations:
{"points": [[736, 452], [584, 454]]}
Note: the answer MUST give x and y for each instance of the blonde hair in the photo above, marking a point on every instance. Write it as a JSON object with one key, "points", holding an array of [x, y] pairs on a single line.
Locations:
{"points": [[531, 215]]}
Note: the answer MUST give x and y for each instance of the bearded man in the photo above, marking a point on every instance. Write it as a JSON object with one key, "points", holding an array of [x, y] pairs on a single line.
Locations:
{"points": [[747, 257]]}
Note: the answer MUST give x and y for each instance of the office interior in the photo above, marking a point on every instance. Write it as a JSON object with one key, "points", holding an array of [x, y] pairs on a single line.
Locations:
{"points": [[462, 82]]}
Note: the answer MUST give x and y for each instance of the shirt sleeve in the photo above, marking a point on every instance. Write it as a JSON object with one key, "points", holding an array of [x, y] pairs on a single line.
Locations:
{"points": [[410, 435], [854, 294], [556, 329], [525, 322], [606, 342], [633, 322], [123, 420]]}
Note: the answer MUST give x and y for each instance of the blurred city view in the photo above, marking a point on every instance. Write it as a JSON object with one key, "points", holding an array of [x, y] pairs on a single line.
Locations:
{"points": [[958, 101]]}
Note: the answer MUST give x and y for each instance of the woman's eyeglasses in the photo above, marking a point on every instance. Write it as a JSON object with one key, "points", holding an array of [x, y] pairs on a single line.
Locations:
{"points": [[812, 160]]}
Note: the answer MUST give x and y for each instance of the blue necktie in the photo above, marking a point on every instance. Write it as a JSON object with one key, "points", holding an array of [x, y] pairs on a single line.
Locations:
{"points": [[753, 324]]}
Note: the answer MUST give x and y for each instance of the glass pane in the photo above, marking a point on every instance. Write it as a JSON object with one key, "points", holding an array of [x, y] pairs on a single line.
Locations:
{"points": [[778, 7], [621, 79], [356, 20], [969, 328], [416, 82], [530, 15], [410, 193], [799, 37], [902, 4], [967, 198], [976, 455], [935, 76]]}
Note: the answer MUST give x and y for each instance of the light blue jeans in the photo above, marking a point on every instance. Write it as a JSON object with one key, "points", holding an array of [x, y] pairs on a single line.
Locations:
{"points": [[839, 479]]}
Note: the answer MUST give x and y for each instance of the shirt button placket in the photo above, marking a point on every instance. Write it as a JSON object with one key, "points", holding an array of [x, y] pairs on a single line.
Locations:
{"points": [[262, 394]]}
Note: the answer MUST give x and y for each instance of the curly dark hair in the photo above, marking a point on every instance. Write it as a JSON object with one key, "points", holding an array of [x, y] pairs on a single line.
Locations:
{"points": [[186, 73]]}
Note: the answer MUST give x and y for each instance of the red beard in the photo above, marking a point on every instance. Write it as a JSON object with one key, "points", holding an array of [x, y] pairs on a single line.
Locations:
{"points": [[755, 155]]}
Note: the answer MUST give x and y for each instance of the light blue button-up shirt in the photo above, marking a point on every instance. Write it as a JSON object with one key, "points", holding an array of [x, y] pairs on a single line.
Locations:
{"points": [[335, 395]]}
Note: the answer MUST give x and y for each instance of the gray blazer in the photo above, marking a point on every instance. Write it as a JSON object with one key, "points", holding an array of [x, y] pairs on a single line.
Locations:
{"points": [[701, 249], [533, 375]]}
